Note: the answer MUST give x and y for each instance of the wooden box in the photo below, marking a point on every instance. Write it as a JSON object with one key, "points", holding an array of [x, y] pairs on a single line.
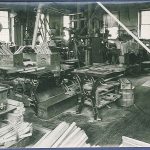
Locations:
{"points": [[6, 61], [19, 58], [48, 60], [125, 84]]}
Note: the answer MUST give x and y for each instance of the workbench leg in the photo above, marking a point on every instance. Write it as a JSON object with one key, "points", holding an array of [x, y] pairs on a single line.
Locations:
{"points": [[95, 111], [34, 96], [80, 105], [34, 102]]}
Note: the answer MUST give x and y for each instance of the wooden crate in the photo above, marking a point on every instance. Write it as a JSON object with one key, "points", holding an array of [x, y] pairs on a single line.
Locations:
{"points": [[6, 61], [48, 60], [19, 58], [125, 84]]}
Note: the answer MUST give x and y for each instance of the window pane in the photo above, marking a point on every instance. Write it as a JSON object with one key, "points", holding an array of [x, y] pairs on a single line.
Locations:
{"points": [[4, 14], [4, 18], [145, 34], [66, 21], [111, 25], [4, 35], [113, 32], [109, 21], [145, 17]]}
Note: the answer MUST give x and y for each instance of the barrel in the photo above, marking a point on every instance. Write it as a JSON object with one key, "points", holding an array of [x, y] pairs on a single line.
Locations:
{"points": [[127, 98]]}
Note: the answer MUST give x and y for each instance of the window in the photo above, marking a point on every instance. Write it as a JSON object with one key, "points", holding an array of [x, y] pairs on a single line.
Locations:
{"points": [[144, 25], [111, 25], [4, 34], [66, 22]]}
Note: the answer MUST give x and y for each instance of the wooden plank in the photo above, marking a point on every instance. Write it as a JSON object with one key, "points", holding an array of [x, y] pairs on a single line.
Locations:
{"points": [[20, 130], [82, 140], [68, 139], [41, 129], [10, 108], [81, 137], [73, 140], [53, 136], [129, 142], [60, 140], [41, 140], [14, 102]]}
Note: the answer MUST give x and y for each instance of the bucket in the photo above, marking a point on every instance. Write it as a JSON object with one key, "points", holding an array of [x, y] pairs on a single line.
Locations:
{"points": [[127, 97]]}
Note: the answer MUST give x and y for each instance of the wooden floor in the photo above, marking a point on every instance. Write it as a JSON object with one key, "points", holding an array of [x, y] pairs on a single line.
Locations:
{"points": [[117, 121]]}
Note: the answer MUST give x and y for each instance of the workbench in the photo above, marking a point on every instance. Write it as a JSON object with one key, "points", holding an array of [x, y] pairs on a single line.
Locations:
{"points": [[90, 77], [103, 71]]}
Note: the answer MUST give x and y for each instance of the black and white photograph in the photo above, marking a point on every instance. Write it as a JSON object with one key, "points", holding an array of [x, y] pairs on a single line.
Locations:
{"points": [[75, 74]]}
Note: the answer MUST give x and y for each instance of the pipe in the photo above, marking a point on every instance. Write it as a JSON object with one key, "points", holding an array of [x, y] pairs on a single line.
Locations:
{"points": [[123, 26], [36, 25]]}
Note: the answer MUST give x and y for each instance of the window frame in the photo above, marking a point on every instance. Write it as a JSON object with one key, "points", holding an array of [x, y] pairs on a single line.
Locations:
{"points": [[140, 22], [9, 22], [118, 17]]}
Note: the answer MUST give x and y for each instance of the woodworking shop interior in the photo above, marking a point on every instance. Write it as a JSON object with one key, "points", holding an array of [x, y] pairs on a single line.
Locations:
{"points": [[74, 74]]}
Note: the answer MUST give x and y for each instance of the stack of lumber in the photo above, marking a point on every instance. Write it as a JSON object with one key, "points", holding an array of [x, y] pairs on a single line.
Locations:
{"points": [[64, 135], [17, 115], [15, 129], [13, 133], [130, 142]]}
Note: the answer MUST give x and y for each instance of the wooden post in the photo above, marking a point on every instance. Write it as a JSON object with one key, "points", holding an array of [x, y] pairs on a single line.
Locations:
{"points": [[12, 27], [36, 25], [87, 52], [89, 18], [123, 26], [21, 35], [78, 17], [45, 27]]}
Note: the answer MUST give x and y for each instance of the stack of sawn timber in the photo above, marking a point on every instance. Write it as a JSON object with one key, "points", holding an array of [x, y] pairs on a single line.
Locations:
{"points": [[64, 135], [16, 129]]}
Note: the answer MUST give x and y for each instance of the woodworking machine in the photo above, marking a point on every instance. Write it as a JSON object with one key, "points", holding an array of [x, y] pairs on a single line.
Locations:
{"points": [[98, 86]]}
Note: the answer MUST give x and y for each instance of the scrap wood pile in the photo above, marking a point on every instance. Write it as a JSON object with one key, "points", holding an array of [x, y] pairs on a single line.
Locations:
{"points": [[64, 135], [15, 129]]}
